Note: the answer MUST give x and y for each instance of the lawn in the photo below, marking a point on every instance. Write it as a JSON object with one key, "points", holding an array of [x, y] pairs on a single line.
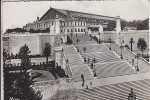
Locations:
{"points": [[41, 75]]}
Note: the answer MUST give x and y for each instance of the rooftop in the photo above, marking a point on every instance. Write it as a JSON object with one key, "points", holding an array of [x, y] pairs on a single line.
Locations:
{"points": [[79, 14]]}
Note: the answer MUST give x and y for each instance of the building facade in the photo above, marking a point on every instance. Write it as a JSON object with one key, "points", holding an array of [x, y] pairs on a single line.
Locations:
{"points": [[73, 21]]}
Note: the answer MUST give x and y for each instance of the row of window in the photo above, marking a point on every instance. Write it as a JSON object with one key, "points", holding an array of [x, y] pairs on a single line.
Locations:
{"points": [[38, 25], [75, 30], [73, 23], [46, 25]]}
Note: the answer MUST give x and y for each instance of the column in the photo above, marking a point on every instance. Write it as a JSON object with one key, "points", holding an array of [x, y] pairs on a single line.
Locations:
{"points": [[101, 33], [118, 29], [57, 44], [149, 43], [57, 25]]}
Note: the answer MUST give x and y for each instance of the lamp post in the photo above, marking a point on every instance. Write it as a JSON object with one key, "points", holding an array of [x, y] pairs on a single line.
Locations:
{"points": [[110, 43], [99, 37], [131, 43], [94, 69], [121, 56], [132, 95], [137, 66]]}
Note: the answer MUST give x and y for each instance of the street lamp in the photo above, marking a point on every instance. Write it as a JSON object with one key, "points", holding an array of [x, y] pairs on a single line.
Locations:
{"points": [[137, 67], [99, 37], [131, 43], [132, 95], [121, 52], [110, 43], [94, 69], [121, 47]]}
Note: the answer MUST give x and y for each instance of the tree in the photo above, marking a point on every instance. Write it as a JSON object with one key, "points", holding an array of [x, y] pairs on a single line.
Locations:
{"points": [[25, 91], [141, 45], [8, 79], [24, 56], [21, 88], [47, 51], [123, 24], [5, 56]]}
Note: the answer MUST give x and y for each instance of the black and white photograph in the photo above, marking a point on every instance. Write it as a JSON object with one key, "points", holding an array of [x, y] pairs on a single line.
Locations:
{"points": [[75, 50]]}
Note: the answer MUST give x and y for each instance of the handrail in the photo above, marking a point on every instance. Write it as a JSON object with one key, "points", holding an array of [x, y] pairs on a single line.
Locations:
{"points": [[68, 64], [139, 57]]}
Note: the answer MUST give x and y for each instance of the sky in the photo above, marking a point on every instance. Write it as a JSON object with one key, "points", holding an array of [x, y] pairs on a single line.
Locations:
{"points": [[17, 14]]}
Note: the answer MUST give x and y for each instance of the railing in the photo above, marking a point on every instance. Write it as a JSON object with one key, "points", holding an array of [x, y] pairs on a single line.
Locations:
{"points": [[67, 65], [139, 57], [131, 54]]}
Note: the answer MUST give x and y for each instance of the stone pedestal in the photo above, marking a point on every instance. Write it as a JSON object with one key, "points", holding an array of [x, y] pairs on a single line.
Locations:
{"points": [[58, 56], [56, 39]]}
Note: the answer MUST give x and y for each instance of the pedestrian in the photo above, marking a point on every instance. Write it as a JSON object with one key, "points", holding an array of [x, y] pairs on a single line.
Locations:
{"points": [[90, 83], [87, 87]]}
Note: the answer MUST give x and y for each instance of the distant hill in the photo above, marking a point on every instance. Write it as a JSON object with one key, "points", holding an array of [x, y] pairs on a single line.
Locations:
{"points": [[139, 24]]}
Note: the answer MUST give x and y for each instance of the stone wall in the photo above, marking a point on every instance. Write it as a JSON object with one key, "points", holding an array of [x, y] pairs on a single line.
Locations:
{"points": [[35, 42], [16, 41], [127, 35]]}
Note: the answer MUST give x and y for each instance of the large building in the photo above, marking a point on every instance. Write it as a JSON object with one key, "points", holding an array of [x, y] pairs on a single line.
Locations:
{"points": [[75, 22], [72, 21]]}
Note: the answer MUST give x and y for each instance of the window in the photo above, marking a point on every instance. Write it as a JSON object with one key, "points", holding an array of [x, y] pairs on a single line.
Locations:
{"points": [[63, 23], [78, 30], [75, 30], [71, 30], [67, 30], [71, 23], [81, 30], [79, 23], [60, 23], [75, 23], [84, 23]]}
